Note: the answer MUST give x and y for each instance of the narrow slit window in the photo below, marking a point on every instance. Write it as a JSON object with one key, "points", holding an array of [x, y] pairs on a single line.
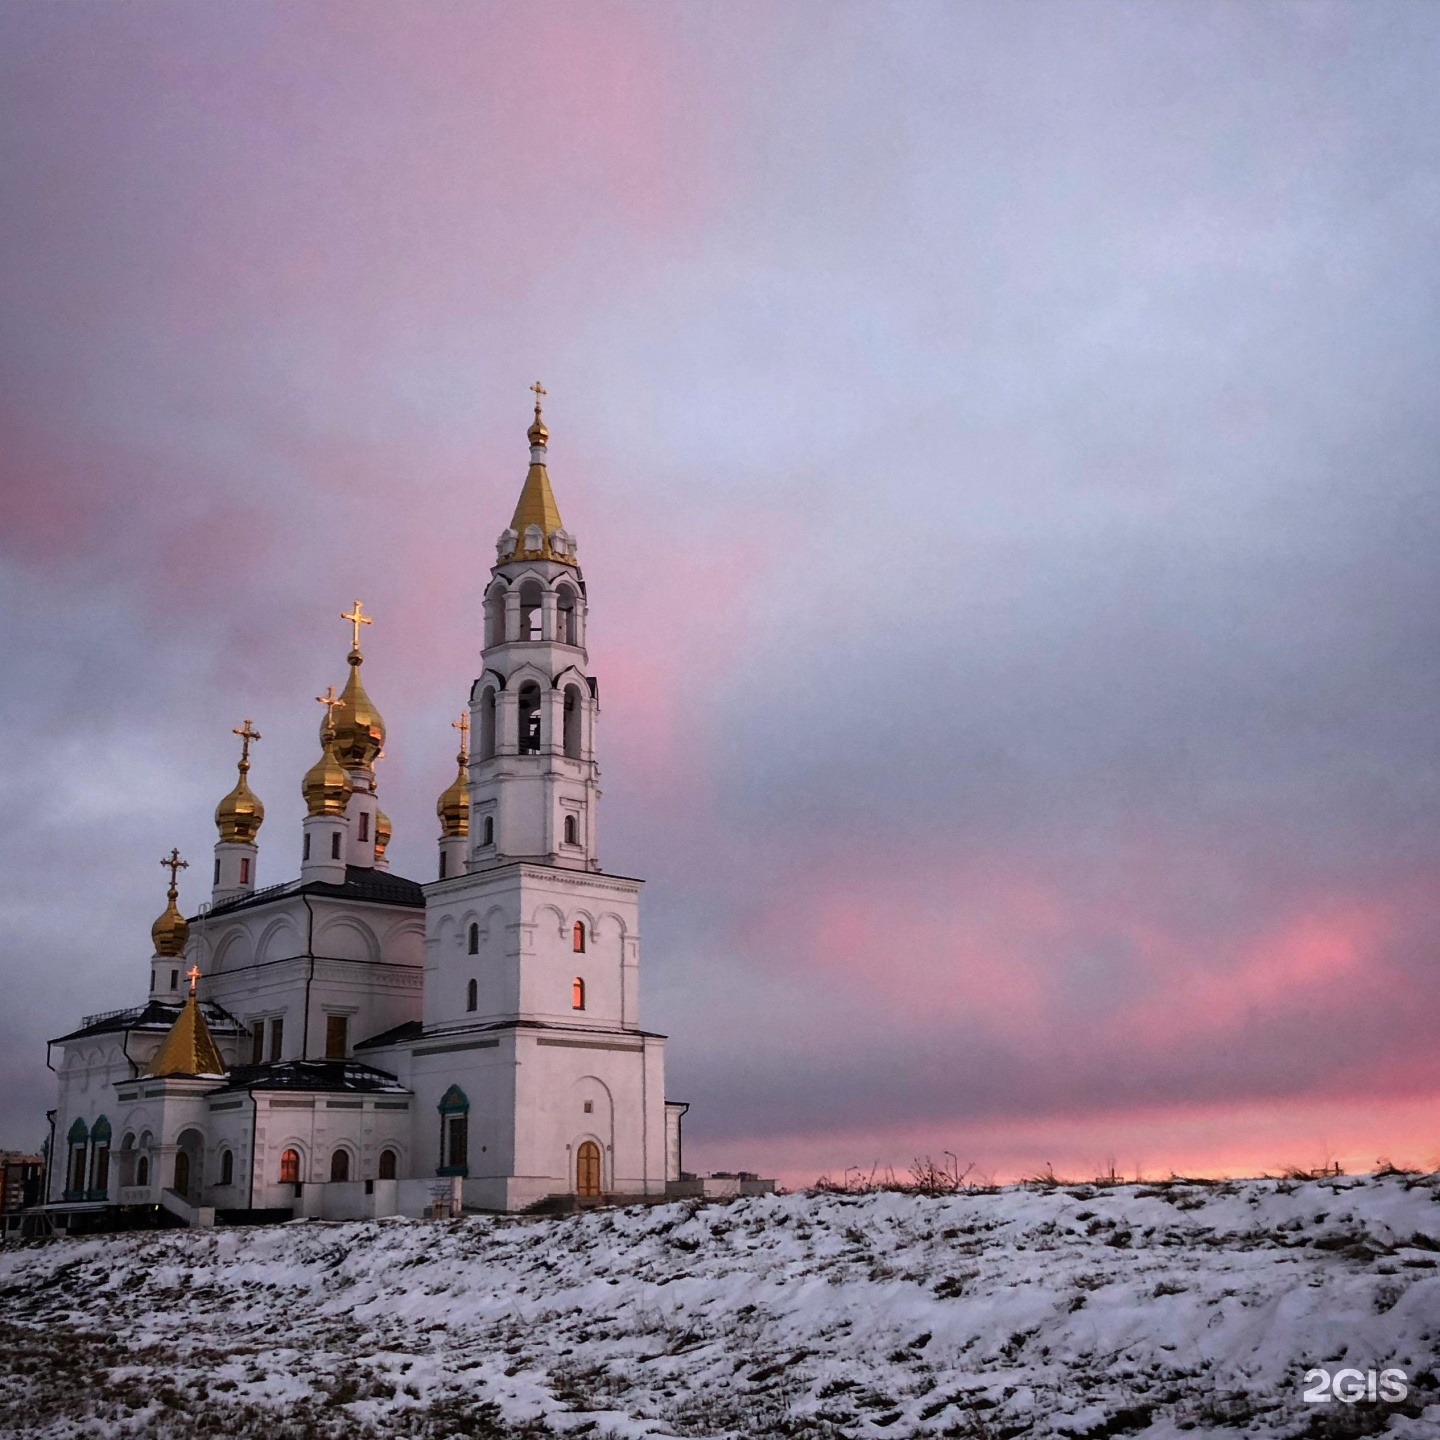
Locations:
{"points": [[489, 830], [305, 854], [244, 869], [277, 1037], [577, 937], [572, 830], [364, 835], [335, 846], [474, 947], [443, 858], [472, 996], [577, 994], [227, 1167], [257, 1043]]}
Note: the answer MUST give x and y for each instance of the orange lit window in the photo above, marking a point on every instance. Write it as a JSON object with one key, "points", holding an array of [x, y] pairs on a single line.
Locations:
{"points": [[577, 994], [577, 938]]}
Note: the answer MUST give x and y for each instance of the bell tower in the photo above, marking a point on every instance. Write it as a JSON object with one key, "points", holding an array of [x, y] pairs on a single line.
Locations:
{"points": [[534, 781]]}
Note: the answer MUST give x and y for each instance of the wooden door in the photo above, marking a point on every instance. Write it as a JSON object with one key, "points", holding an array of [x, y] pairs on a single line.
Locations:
{"points": [[182, 1174], [587, 1169]]}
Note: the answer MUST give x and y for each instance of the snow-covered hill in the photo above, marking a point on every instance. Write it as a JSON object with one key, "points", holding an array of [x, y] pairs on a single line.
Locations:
{"points": [[1162, 1310]]}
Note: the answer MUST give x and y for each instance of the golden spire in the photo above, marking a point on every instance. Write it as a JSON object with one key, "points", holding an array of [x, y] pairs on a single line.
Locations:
{"points": [[536, 505], [170, 932], [453, 806], [359, 730], [240, 814], [188, 1049], [327, 786]]}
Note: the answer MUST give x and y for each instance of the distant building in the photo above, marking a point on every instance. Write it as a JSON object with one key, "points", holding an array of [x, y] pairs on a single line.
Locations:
{"points": [[351, 1043], [22, 1180]]}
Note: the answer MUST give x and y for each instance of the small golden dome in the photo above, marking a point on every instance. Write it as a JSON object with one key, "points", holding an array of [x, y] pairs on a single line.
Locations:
{"points": [[383, 831], [359, 730], [453, 806], [170, 931], [327, 786], [240, 814]]}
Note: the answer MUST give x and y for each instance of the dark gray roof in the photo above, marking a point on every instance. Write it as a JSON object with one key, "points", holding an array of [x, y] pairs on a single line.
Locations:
{"points": [[376, 887], [154, 1015], [348, 1076]]}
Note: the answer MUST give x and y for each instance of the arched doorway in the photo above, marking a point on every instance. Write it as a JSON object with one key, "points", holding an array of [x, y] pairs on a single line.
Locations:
{"points": [[189, 1165], [587, 1170]]}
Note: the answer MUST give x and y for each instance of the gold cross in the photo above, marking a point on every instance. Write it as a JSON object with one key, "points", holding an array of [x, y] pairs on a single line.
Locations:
{"points": [[357, 618], [329, 700], [539, 390], [173, 863], [194, 974], [463, 726], [247, 733]]}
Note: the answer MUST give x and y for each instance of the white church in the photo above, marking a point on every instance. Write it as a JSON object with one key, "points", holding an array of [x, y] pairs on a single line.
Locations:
{"points": [[350, 1043]]}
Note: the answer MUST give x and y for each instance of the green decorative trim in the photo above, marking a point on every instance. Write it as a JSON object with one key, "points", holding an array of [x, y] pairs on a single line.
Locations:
{"points": [[454, 1102], [78, 1134]]}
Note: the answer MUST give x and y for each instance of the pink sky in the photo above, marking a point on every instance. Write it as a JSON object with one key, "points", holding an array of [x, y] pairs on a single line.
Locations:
{"points": [[1000, 442]]}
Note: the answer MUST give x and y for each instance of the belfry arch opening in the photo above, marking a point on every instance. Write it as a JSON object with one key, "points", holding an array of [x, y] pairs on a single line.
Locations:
{"points": [[495, 616], [567, 616], [573, 712], [486, 738], [529, 717], [532, 615]]}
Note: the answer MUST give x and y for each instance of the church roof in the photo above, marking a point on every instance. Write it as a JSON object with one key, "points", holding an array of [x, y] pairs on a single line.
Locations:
{"points": [[377, 887], [156, 1015], [188, 1049], [332, 1075]]}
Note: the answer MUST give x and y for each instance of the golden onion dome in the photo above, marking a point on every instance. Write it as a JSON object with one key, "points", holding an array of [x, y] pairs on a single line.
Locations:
{"points": [[359, 730], [327, 786], [170, 931], [453, 806], [383, 831], [240, 814]]}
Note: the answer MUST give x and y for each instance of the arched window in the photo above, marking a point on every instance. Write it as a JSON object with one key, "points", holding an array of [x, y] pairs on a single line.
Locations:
{"points": [[335, 845], [227, 1167], [567, 631], [340, 1165], [577, 937], [474, 945], [78, 1140], [495, 616], [577, 994], [572, 722], [443, 858], [489, 831], [572, 830], [454, 1132], [290, 1167], [387, 1164], [531, 612], [472, 996], [487, 723], [99, 1158], [142, 1170], [529, 718]]}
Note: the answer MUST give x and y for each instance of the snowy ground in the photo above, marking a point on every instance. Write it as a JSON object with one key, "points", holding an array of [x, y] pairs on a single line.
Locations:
{"points": [[1159, 1310]]}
